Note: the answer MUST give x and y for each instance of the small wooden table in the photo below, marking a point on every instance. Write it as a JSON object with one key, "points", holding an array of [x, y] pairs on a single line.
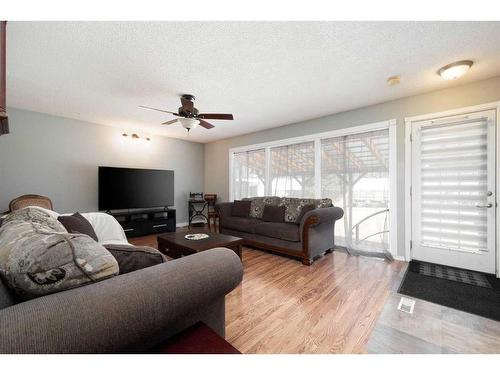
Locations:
{"points": [[174, 245]]}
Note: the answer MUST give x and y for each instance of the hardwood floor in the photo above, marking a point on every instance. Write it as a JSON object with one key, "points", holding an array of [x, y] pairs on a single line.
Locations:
{"points": [[283, 306]]}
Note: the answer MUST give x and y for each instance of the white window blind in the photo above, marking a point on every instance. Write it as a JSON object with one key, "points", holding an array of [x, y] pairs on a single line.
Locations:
{"points": [[292, 170], [249, 170], [453, 168]]}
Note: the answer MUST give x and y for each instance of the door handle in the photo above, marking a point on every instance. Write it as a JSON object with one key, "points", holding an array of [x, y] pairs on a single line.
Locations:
{"points": [[489, 205]]}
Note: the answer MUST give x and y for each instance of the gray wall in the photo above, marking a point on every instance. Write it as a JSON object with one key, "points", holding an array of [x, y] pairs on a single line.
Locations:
{"points": [[58, 157], [216, 153]]}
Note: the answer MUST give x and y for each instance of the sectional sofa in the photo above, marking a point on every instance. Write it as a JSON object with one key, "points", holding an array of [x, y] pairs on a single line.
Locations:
{"points": [[131, 312]]}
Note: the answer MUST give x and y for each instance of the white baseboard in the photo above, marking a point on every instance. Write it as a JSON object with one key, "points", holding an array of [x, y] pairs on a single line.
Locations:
{"points": [[400, 258]]}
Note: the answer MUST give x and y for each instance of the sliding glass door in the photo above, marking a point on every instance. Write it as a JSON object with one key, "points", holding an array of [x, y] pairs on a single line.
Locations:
{"points": [[355, 172]]}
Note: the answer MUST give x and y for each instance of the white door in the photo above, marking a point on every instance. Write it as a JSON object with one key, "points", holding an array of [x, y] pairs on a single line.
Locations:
{"points": [[453, 191]]}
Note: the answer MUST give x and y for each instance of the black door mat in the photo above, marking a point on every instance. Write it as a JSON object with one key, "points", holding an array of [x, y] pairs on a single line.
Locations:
{"points": [[469, 291]]}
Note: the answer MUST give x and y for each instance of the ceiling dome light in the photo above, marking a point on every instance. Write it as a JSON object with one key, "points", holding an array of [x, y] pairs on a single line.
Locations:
{"points": [[188, 123], [455, 70]]}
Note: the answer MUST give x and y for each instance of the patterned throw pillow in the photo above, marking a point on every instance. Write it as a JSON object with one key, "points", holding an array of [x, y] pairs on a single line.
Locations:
{"points": [[294, 206], [38, 256], [258, 203], [324, 202], [304, 210]]}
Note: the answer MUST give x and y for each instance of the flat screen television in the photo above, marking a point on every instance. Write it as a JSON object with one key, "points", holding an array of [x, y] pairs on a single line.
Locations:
{"points": [[130, 188]]}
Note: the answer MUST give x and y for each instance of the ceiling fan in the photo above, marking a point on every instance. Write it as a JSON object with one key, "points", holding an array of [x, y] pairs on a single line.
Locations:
{"points": [[189, 116]]}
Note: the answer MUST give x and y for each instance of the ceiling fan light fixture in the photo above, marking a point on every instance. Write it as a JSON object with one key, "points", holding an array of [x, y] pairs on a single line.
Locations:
{"points": [[455, 70], [189, 123], [189, 117]]}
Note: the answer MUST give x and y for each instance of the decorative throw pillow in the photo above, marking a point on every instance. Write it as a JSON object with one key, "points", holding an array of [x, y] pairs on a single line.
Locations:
{"points": [[305, 209], [324, 202], [275, 214], [37, 216], [240, 208], [38, 256], [293, 207], [132, 258], [258, 203], [76, 223]]}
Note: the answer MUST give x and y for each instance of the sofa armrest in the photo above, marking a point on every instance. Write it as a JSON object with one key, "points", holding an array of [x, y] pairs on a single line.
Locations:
{"points": [[129, 312], [321, 215], [224, 209]]}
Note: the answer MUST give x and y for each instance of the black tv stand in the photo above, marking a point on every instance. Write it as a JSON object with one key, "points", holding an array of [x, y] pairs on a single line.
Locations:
{"points": [[141, 222]]}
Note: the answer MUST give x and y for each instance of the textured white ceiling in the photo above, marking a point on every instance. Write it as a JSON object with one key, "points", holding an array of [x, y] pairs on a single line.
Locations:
{"points": [[266, 73]]}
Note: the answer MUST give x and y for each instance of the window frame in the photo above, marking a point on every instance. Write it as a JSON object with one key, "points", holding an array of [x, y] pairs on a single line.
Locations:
{"points": [[316, 138]]}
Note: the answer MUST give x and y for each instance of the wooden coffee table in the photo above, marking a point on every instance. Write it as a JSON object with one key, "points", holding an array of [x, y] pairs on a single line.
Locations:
{"points": [[174, 245]]}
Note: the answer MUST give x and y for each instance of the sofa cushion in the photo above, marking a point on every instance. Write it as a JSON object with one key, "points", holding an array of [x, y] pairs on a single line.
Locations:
{"points": [[240, 209], [274, 214], [242, 224], [283, 231], [258, 203], [38, 256], [132, 258], [76, 223]]}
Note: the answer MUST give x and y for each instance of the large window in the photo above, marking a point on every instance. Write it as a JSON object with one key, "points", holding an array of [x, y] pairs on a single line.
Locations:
{"points": [[355, 167], [292, 170], [249, 173]]}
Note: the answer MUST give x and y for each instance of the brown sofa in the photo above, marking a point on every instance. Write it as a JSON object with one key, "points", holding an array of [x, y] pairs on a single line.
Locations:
{"points": [[307, 240]]}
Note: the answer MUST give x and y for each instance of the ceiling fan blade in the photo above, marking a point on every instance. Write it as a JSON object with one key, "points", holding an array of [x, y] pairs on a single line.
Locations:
{"points": [[188, 105], [205, 124], [216, 116], [169, 122], [159, 110]]}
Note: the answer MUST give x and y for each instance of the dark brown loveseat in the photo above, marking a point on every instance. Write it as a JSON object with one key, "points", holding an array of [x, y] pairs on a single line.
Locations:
{"points": [[308, 239]]}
